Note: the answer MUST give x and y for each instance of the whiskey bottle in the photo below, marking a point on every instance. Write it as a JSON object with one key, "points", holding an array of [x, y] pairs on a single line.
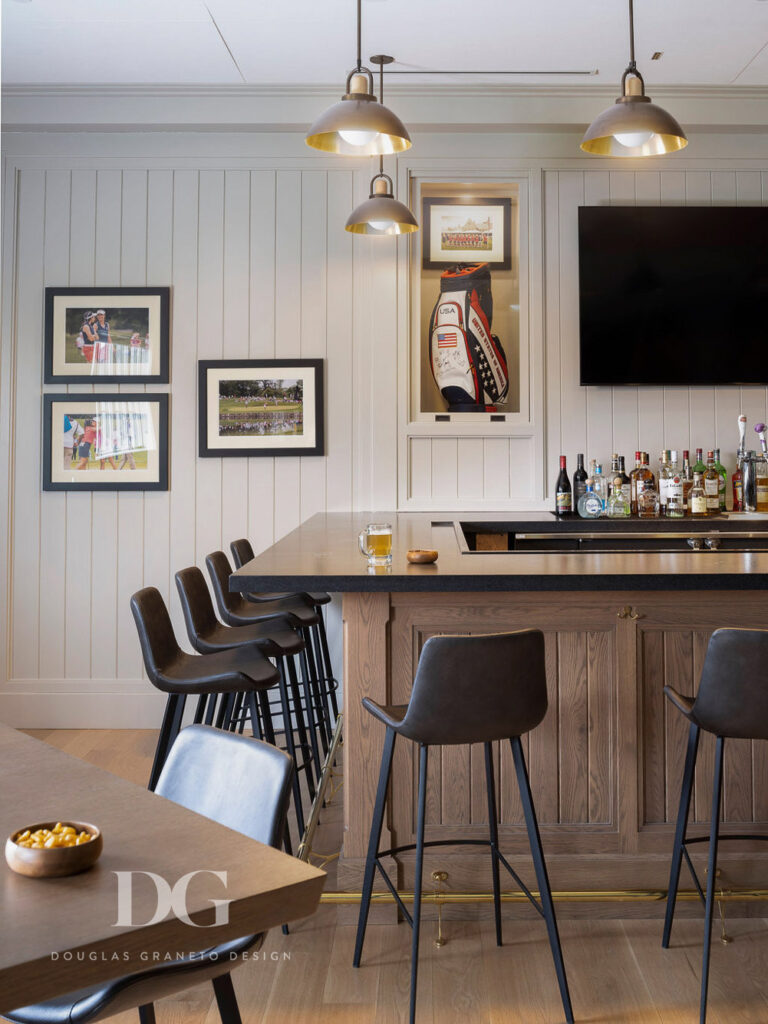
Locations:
{"points": [[645, 481], [633, 482], [687, 481], [665, 475], [723, 480], [711, 481], [625, 484], [563, 496], [698, 498]]}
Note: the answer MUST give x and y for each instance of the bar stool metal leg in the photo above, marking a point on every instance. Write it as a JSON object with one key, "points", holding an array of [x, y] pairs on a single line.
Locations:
{"points": [[374, 841], [680, 830], [226, 1000], [714, 835], [423, 756], [494, 834], [290, 744], [169, 730], [301, 726], [542, 877], [328, 667]]}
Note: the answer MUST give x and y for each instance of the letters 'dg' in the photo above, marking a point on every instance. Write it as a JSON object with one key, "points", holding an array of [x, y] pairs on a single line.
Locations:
{"points": [[169, 898]]}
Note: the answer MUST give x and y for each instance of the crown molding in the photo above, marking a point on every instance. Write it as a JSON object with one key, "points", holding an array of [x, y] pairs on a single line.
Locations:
{"points": [[430, 107]]}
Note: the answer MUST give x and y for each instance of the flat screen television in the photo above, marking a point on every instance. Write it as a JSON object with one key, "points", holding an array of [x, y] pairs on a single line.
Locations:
{"points": [[673, 295]]}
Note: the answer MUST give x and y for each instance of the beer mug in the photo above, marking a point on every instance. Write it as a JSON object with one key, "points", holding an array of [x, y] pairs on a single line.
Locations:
{"points": [[376, 543]]}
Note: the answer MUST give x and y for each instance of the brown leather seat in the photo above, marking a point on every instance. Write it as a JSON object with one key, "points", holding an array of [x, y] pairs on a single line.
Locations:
{"points": [[242, 552], [228, 672], [731, 703], [468, 689]]}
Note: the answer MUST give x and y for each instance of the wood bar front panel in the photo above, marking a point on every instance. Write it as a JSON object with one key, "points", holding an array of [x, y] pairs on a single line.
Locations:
{"points": [[606, 762]]}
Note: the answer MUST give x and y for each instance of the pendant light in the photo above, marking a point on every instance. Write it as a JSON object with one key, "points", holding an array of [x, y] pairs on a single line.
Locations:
{"points": [[381, 213], [358, 125], [633, 126]]}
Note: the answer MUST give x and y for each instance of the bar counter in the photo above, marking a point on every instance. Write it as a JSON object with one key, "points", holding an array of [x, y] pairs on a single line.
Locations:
{"points": [[606, 762]]}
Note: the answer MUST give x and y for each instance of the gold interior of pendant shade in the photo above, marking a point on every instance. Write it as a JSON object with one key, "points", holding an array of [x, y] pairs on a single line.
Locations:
{"points": [[632, 114], [380, 208], [358, 111]]}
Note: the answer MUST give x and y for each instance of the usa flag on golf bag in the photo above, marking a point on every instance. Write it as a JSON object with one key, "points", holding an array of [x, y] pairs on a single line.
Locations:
{"points": [[468, 362]]}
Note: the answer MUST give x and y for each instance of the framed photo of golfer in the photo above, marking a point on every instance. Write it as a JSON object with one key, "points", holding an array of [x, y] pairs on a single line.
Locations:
{"points": [[261, 407], [460, 231], [106, 335], [115, 442]]}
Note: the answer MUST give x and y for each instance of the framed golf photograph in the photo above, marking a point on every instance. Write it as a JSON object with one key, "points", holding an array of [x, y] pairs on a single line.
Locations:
{"points": [[261, 407], [116, 442], [119, 335], [466, 231]]}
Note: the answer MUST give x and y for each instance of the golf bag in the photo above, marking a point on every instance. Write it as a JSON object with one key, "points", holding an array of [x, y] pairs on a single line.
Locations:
{"points": [[468, 362]]}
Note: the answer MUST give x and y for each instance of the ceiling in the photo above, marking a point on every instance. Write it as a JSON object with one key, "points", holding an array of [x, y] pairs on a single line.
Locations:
{"points": [[229, 42]]}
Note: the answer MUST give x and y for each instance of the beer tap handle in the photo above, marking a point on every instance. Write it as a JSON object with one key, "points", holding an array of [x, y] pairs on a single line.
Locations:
{"points": [[760, 431]]}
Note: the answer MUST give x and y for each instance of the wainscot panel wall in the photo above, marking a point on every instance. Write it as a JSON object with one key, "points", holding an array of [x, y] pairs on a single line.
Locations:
{"points": [[247, 229]]}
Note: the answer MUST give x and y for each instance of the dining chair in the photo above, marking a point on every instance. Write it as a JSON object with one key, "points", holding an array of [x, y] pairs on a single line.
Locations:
{"points": [[241, 783]]}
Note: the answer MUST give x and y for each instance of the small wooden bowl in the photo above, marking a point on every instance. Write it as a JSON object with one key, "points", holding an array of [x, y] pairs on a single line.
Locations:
{"points": [[419, 556], [58, 861]]}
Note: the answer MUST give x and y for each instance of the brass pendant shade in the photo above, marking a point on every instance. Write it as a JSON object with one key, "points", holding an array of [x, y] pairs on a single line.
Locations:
{"points": [[381, 213], [359, 125], [633, 126]]}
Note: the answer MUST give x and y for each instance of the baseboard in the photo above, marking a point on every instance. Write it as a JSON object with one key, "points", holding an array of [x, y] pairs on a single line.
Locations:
{"points": [[81, 704]]}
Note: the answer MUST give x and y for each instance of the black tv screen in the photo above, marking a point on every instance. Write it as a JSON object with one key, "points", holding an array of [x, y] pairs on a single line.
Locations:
{"points": [[673, 295]]}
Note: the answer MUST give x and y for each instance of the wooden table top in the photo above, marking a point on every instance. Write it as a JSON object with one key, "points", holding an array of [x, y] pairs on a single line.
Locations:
{"points": [[322, 554], [45, 922]]}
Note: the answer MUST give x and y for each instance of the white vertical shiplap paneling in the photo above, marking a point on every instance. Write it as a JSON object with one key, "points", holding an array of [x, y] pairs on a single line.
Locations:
{"points": [[53, 506], [130, 504], [25, 582], [235, 334]]}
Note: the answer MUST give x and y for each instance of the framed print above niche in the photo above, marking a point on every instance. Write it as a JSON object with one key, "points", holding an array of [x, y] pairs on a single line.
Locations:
{"points": [[253, 407], [118, 335]]}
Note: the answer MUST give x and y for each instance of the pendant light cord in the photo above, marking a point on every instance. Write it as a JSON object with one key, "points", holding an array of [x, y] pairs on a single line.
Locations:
{"points": [[632, 34], [359, 34], [381, 101]]}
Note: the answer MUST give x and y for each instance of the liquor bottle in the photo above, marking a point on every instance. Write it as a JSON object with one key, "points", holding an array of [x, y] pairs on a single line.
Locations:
{"points": [[626, 485], [698, 498], [761, 470], [648, 502], [618, 506], [590, 506], [699, 465], [644, 481], [665, 475], [579, 480], [600, 486], [736, 479], [563, 496], [723, 478], [633, 481], [675, 503], [712, 485], [687, 481]]}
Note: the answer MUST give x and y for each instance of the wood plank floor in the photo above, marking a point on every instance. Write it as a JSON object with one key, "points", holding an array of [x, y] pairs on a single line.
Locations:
{"points": [[617, 971]]}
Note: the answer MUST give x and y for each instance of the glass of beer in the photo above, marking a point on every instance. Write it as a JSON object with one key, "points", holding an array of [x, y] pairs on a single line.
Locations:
{"points": [[376, 543]]}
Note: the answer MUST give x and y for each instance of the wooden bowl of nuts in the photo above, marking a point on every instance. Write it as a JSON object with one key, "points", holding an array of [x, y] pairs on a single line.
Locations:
{"points": [[53, 849]]}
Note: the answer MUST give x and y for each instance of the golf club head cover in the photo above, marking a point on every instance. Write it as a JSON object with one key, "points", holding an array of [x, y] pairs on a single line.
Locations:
{"points": [[468, 362]]}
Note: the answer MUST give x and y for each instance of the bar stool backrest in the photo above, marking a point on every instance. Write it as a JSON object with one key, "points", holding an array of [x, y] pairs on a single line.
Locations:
{"points": [[242, 552], [733, 692], [236, 780], [473, 689], [220, 570], [196, 603], [158, 641]]}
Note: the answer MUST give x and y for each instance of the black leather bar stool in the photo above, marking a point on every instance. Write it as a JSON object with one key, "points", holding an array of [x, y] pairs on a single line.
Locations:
{"points": [[180, 675], [235, 610], [732, 703], [274, 638], [468, 689], [242, 552]]}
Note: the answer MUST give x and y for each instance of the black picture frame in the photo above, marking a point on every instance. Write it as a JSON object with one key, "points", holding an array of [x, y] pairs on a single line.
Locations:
{"points": [[212, 444], [433, 260], [60, 345], [153, 478]]}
